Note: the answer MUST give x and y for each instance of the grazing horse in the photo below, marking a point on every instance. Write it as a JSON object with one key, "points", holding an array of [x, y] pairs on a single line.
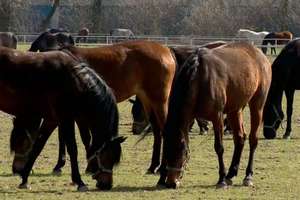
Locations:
{"points": [[126, 67], [252, 36], [278, 38], [8, 39], [51, 41], [120, 34], [59, 89], [207, 86], [285, 78], [82, 35]]}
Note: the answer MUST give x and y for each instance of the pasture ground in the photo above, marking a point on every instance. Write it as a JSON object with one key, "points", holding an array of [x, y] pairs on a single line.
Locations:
{"points": [[276, 168]]}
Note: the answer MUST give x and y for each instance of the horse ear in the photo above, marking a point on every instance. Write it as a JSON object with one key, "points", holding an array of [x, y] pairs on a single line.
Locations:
{"points": [[120, 139]]}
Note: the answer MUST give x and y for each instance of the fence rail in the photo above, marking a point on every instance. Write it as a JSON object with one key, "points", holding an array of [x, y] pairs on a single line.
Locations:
{"points": [[165, 40]]}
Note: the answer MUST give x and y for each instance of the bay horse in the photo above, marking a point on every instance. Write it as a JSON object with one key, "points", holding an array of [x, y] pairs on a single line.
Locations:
{"points": [[82, 35], [252, 36], [207, 86], [286, 71], [278, 38], [56, 87], [8, 39], [126, 67]]}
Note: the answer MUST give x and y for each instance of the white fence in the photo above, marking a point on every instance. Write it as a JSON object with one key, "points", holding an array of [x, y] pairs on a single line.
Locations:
{"points": [[165, 40]]}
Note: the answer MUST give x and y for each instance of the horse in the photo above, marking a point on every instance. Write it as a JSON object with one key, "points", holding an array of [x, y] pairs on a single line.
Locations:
{"points": [[285, 70], [51, 41], [278, 38], [140, 122], [8, 39], [82, 35], [121, 34], [252, 36], [60, 89], [207, 86], [126, 67]]}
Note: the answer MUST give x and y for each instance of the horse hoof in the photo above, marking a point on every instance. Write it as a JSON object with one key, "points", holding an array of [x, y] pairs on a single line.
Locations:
{"points": [[150, 171], [229, 181], [161, 184], [248, 182], [222, 185], [173, 185], [287, 137], [82, 188], [203, 133], [57, 172], [24, 186]]}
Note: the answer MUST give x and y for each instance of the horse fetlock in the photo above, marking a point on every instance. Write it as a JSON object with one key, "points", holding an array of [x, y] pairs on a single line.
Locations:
{"points": [[24, 186], [248, 181]]}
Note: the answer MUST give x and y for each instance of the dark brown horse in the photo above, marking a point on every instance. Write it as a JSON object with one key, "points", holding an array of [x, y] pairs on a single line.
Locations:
{"points": [[8, 39], [278, 38], [285, 72], [213, 82], [142, 68], [59, 89], [82, 35]]}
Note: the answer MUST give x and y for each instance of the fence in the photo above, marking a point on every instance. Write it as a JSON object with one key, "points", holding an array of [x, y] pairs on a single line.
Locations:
{"points": [[165, 40]]}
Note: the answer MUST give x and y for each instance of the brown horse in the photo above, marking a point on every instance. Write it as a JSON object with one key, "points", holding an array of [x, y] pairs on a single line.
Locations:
{"points": [[8, 39], [217, 81], [82, 35], [278, 38], [142, 68], [56, 87]]}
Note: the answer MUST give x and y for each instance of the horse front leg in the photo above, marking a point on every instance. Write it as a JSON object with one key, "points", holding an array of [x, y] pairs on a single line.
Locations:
{"points": [[68, 132], [289, 111], [219, 149], [236, 123], [61, 153], [44, 132]]}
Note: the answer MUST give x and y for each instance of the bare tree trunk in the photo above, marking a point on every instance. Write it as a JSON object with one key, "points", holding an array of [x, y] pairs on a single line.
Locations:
{"points": [[96, 15], [5, 12], [284, 14], [46, 22]]}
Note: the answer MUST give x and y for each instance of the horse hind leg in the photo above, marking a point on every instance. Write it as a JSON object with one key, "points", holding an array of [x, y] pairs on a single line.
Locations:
{"points": [[57, 170], [289, 111], [236, 123], [256, 112]]}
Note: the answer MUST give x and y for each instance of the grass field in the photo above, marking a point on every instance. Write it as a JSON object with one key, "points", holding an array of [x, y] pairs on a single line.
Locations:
{"points": [[276, 168]]}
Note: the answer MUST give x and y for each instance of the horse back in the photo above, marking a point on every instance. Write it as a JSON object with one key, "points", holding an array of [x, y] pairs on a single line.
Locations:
{"points": [[231, 71]]}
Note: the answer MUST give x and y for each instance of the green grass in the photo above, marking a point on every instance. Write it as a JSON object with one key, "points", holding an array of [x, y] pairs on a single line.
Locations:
{"points": [[276, 168]]}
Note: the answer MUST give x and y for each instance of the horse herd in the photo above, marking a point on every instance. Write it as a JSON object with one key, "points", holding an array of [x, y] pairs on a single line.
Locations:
{"points": [[63, 84]]}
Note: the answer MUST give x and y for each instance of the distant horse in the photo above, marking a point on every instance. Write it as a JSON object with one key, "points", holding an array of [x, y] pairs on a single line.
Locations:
{"points": [[82, 35], [285, 78], [8, 39], [51, 41], [126, 68], [121, 34], [252, 36], [59, 89], [213, 82], [278, 38], [140, 121]]}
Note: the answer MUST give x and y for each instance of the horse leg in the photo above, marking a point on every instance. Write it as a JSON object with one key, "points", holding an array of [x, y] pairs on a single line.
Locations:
{"points": [[44, 132], [68, 131], [219, 148], [239, 136], [256, 113], [289, 111], [155, 161], [61, 153], [203, 125]]}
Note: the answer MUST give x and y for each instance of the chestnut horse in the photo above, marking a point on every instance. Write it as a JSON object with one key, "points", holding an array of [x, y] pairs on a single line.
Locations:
{"points": [[285, 72], [278, 38], [207, 86], [81, 36], [142, 68], [59, 89]]}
